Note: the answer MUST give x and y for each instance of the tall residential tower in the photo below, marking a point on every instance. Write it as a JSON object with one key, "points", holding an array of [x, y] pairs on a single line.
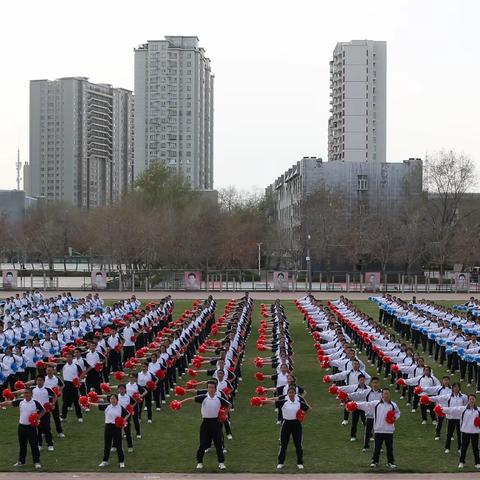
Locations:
{"points": [[357, 127], [174, 109], [81, 141]]}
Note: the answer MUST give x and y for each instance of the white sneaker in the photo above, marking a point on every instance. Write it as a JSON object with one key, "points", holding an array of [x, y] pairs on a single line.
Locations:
{"points": [[364, 450], [279, 466], [51, 448], [413, 410], [434, 422], [278, 422], [408, 404], [164, 401], [477, 466], [373, 465], [345, 422], [447, 450], [38, 466], [103, 464], [121, 464], [80, 420], [222, 466], [229, 436], [207, 450], [139, 436], [300, 466], [149, 420], [353, 439], [61, 435], [113, 449], [130, 450], [391, 466], [461, 465], [18, 464], [225, 450], [199, 466], [424, 422], [40, 448], [437, 438], [158, 409], [401, 397]]}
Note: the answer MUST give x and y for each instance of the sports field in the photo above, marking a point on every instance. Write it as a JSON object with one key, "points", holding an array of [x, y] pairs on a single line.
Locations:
{"points": [[170, 443]]}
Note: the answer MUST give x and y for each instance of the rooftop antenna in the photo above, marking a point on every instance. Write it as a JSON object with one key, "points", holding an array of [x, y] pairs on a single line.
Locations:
{"points": [[19, 167]]}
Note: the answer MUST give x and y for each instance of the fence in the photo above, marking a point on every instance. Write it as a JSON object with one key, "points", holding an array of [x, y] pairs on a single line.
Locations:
{"points": [[239, 280]]}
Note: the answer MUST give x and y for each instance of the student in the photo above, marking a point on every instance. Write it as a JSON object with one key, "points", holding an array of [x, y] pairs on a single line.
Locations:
{"points": [[44, 396], [27, 433], [211, 427], [53, 382], [290, 405], [112, 432], [70, 372], [383, 425], [469, 417]]}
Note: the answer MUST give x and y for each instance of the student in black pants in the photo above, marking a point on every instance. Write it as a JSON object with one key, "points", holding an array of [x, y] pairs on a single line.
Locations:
{"points": [[70, 372], [113, 430], [290, 404], [211, 427], [27, 433]]}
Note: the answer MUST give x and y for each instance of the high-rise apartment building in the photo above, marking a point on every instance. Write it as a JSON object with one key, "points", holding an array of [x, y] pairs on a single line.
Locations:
{"points": [[81, 141], [174, 108], [358, 102]]}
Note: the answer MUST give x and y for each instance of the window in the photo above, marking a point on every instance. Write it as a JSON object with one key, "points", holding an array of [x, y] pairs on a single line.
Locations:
{"points": [[362, 182]]}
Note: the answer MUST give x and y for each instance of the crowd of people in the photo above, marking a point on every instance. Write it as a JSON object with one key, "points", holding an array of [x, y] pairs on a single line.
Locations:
{"points": [[289, 397], [342, 332], [77, 352]]}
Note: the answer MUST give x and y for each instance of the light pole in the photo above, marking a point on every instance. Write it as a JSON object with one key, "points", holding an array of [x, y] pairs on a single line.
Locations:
{"points": [[309, 264], [259, 245]]}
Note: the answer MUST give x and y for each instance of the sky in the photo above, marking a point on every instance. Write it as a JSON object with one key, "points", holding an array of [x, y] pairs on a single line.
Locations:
{"points": [[271, 66]]}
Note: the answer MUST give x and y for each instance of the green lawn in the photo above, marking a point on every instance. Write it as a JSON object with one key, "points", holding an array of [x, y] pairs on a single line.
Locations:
{"points": [[170, 443]]}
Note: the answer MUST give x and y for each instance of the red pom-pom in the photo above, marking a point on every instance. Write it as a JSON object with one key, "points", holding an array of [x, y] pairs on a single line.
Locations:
{"points": [[137, 397], [333, 390], [160, 374], [76, 382], [227, 391], [48, 407], [191, 384], [261, 347], [325, 364], [19, 385], [191, 372], [222, 415], [424, 400], [118, 376], [401, 382], [118, 347], [79, 342], [438, 410], [133, 338], [326, 379], [93, 396], [300, 415], [120, 422], [351, 406], [83, 401], [57, 391], [261, 390], [40, 364], [260, 376], [105, 387], [129, 408], [476, 422], [390, 417], [256, 402], [418, 390], [202, 349], [395, 368], [175, 405], [150, 385], [180, 391], [99, 366], [7, 394], [34, 419], [259, 362], [342, 396], [387, 359], [197, 363]]}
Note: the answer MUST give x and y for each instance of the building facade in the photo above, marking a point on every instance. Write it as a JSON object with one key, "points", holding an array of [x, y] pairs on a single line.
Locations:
{"points": [[174, 109], [365, 187], [358, 102], [81, 141], [14, 204]]}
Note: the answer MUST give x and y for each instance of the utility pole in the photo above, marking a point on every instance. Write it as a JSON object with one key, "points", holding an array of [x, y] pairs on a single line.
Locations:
{"points": [[19, 168], [259, 245]]}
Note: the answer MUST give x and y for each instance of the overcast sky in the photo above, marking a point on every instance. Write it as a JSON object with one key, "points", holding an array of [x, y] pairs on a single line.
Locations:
{"points": [[271, 66]]}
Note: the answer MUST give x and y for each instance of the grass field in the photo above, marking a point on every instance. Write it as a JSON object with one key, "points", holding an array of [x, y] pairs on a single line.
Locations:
{"points": [[170, 443]]}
